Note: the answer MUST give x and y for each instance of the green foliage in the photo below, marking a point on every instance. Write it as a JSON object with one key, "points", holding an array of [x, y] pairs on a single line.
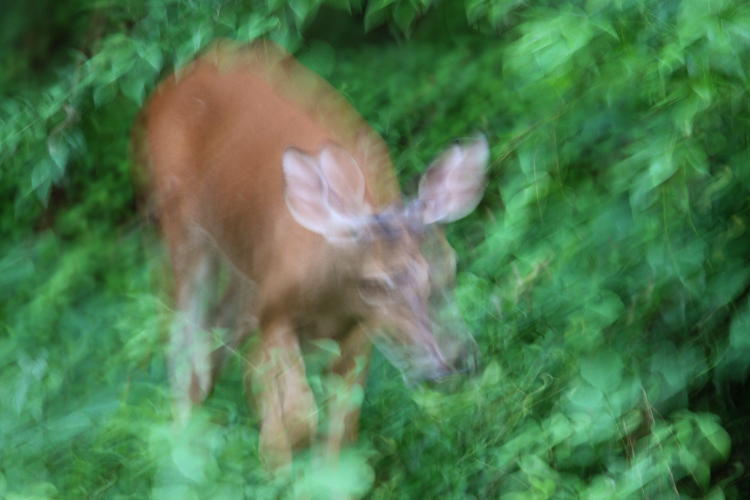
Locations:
{"points": [[604, 275]]}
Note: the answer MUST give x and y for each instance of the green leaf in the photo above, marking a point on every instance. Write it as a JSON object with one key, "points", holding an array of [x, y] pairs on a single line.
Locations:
{"points": [[104, 94], [404, 14], [59, 151], [476, 10], [716, 436], [605, 308], [735, 358], [190, 462], [255, 26], [151, 53], [133, 87], [586, 398], [697, 468], [302, 9], [498, 10], [350, 476], [603, 370], [558, 428], [42, 176], [345, 5], [662, 167], [375, 14], [492, 374]]}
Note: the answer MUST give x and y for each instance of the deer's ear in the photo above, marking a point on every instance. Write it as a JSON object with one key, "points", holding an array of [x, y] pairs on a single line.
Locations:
{"points": [[453, 185], [344, 179], [325, 193]]}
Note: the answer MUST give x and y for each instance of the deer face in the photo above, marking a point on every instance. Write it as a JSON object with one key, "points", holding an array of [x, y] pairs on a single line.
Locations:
{"points": [[397, 272]]}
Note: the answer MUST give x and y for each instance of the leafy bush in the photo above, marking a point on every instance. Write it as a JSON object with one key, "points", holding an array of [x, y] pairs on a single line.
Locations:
{"points": [[604, 274]]}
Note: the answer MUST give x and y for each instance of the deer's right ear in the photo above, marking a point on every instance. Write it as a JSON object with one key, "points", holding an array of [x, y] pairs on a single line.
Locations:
{"points": [[324, 193]]}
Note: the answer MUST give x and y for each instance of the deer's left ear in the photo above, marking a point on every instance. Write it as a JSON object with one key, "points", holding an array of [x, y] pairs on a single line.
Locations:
{"points": [[453, 185]]}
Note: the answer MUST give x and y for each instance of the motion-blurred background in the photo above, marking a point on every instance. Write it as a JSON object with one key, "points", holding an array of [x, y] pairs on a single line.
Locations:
{"points": [[605, 274]]}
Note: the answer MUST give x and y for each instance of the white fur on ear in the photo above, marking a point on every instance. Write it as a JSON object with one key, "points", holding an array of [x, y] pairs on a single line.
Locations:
{"points": [[453, 185], [326, 193], [344, 178], [305, 191]]}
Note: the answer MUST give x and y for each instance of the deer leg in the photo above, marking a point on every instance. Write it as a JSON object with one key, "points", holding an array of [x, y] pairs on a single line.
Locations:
{"points": [[189, 351], [235, 312], [284, 399], [347, 381]]}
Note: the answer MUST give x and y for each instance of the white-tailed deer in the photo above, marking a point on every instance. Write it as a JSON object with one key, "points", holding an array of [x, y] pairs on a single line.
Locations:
{"points": [[258, 166]]}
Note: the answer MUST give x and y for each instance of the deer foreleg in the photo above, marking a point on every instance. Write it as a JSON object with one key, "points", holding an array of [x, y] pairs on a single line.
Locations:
{"points": [[347, 383], [285, 401]]}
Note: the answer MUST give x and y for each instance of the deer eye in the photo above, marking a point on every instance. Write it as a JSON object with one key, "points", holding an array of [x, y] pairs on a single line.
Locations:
{"points": [[373, 289]]}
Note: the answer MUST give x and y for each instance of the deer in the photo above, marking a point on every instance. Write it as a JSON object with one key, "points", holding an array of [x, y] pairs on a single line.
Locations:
{"points": [[260, 172]]}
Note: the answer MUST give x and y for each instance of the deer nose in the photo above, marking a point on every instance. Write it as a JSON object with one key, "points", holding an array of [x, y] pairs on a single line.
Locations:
{"points": [[465, 363]]}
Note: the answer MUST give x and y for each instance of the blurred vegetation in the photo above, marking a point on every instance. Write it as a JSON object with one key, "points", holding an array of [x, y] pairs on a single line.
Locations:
{"points": [[605, 274]]}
